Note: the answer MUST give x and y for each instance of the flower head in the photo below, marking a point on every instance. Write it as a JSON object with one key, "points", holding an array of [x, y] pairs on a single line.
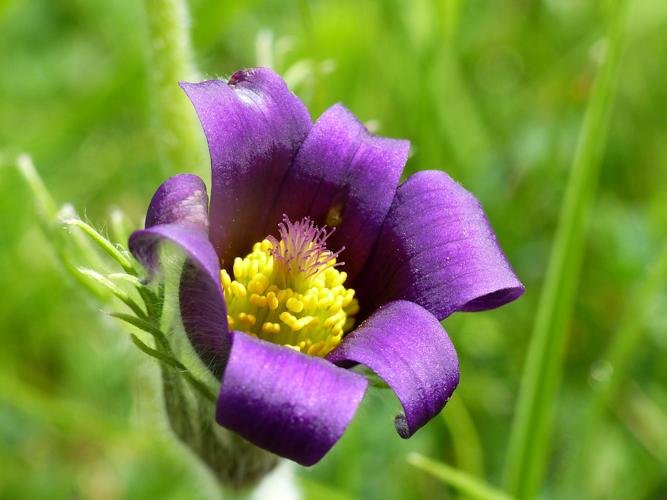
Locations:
{"points": [[264, 297]]}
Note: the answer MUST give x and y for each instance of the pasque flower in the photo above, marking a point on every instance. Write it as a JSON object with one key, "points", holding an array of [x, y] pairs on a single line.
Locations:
{"points": [[313, 258]]}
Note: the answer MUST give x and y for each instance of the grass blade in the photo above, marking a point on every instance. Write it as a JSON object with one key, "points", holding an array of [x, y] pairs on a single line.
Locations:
{"points": [[466, 443], [530, 436], [45, 204], [462, 481]]}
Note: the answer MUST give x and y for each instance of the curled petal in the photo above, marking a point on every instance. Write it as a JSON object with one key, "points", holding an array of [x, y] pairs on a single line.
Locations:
{"points": [[254, 126], [202, 303], [437, 249], [291, 404], [408, 348], [346, 178], [181, 199]]}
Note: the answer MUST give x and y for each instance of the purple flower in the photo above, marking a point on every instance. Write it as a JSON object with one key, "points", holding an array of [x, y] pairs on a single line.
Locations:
{"points": [[264, 298]]}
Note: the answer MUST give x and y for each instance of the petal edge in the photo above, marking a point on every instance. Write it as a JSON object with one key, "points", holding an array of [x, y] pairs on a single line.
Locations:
{"points": [[181, 199], [407, 347], [437, 249], [291, 404], [254, 126]]}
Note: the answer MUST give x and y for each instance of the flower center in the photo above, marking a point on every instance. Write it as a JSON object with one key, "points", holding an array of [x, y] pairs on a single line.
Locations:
{"points": [[289, 291]]}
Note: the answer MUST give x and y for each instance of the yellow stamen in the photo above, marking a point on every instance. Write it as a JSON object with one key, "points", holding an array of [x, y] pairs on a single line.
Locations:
{"points": [[302, 305], [247, 319]]}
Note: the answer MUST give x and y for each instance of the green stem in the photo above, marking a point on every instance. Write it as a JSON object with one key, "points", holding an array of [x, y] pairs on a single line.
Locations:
{"points": [[529, 440], [178, 133], [48, 215]]}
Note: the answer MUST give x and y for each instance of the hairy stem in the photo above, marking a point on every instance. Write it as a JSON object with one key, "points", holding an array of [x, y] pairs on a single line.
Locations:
{"points": [[170, 61]]}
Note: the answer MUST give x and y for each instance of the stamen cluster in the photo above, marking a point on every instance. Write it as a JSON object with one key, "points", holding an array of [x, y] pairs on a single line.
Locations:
{"points": [[289, 291]]}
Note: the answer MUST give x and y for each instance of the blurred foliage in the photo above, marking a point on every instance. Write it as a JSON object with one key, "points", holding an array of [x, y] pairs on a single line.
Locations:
{"points": [[492, 92]]}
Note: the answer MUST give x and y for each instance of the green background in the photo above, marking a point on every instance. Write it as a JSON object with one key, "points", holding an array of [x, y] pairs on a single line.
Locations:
{"points": [[492, 92]]}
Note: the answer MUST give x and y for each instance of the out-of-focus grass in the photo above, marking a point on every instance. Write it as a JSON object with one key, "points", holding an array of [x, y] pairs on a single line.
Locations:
{"points": [[492, 92], [530, 438]]}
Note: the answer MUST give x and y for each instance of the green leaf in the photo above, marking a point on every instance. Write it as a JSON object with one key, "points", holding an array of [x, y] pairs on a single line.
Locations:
{"points": [[114, 289], [140, 323], [172, 362], [108, 247], [164, 357], [157, 354]]}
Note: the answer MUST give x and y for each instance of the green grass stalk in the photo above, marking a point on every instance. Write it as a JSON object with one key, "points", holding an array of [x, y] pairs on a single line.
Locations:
{"points": [[463, 482], [530, 435]]}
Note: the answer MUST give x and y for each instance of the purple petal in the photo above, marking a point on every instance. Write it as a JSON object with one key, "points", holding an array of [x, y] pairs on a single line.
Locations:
{"points": [[203, 309], [437, 249], [254, 126], [293, 405], [344, 177], [408, 348], [181, 199]]}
